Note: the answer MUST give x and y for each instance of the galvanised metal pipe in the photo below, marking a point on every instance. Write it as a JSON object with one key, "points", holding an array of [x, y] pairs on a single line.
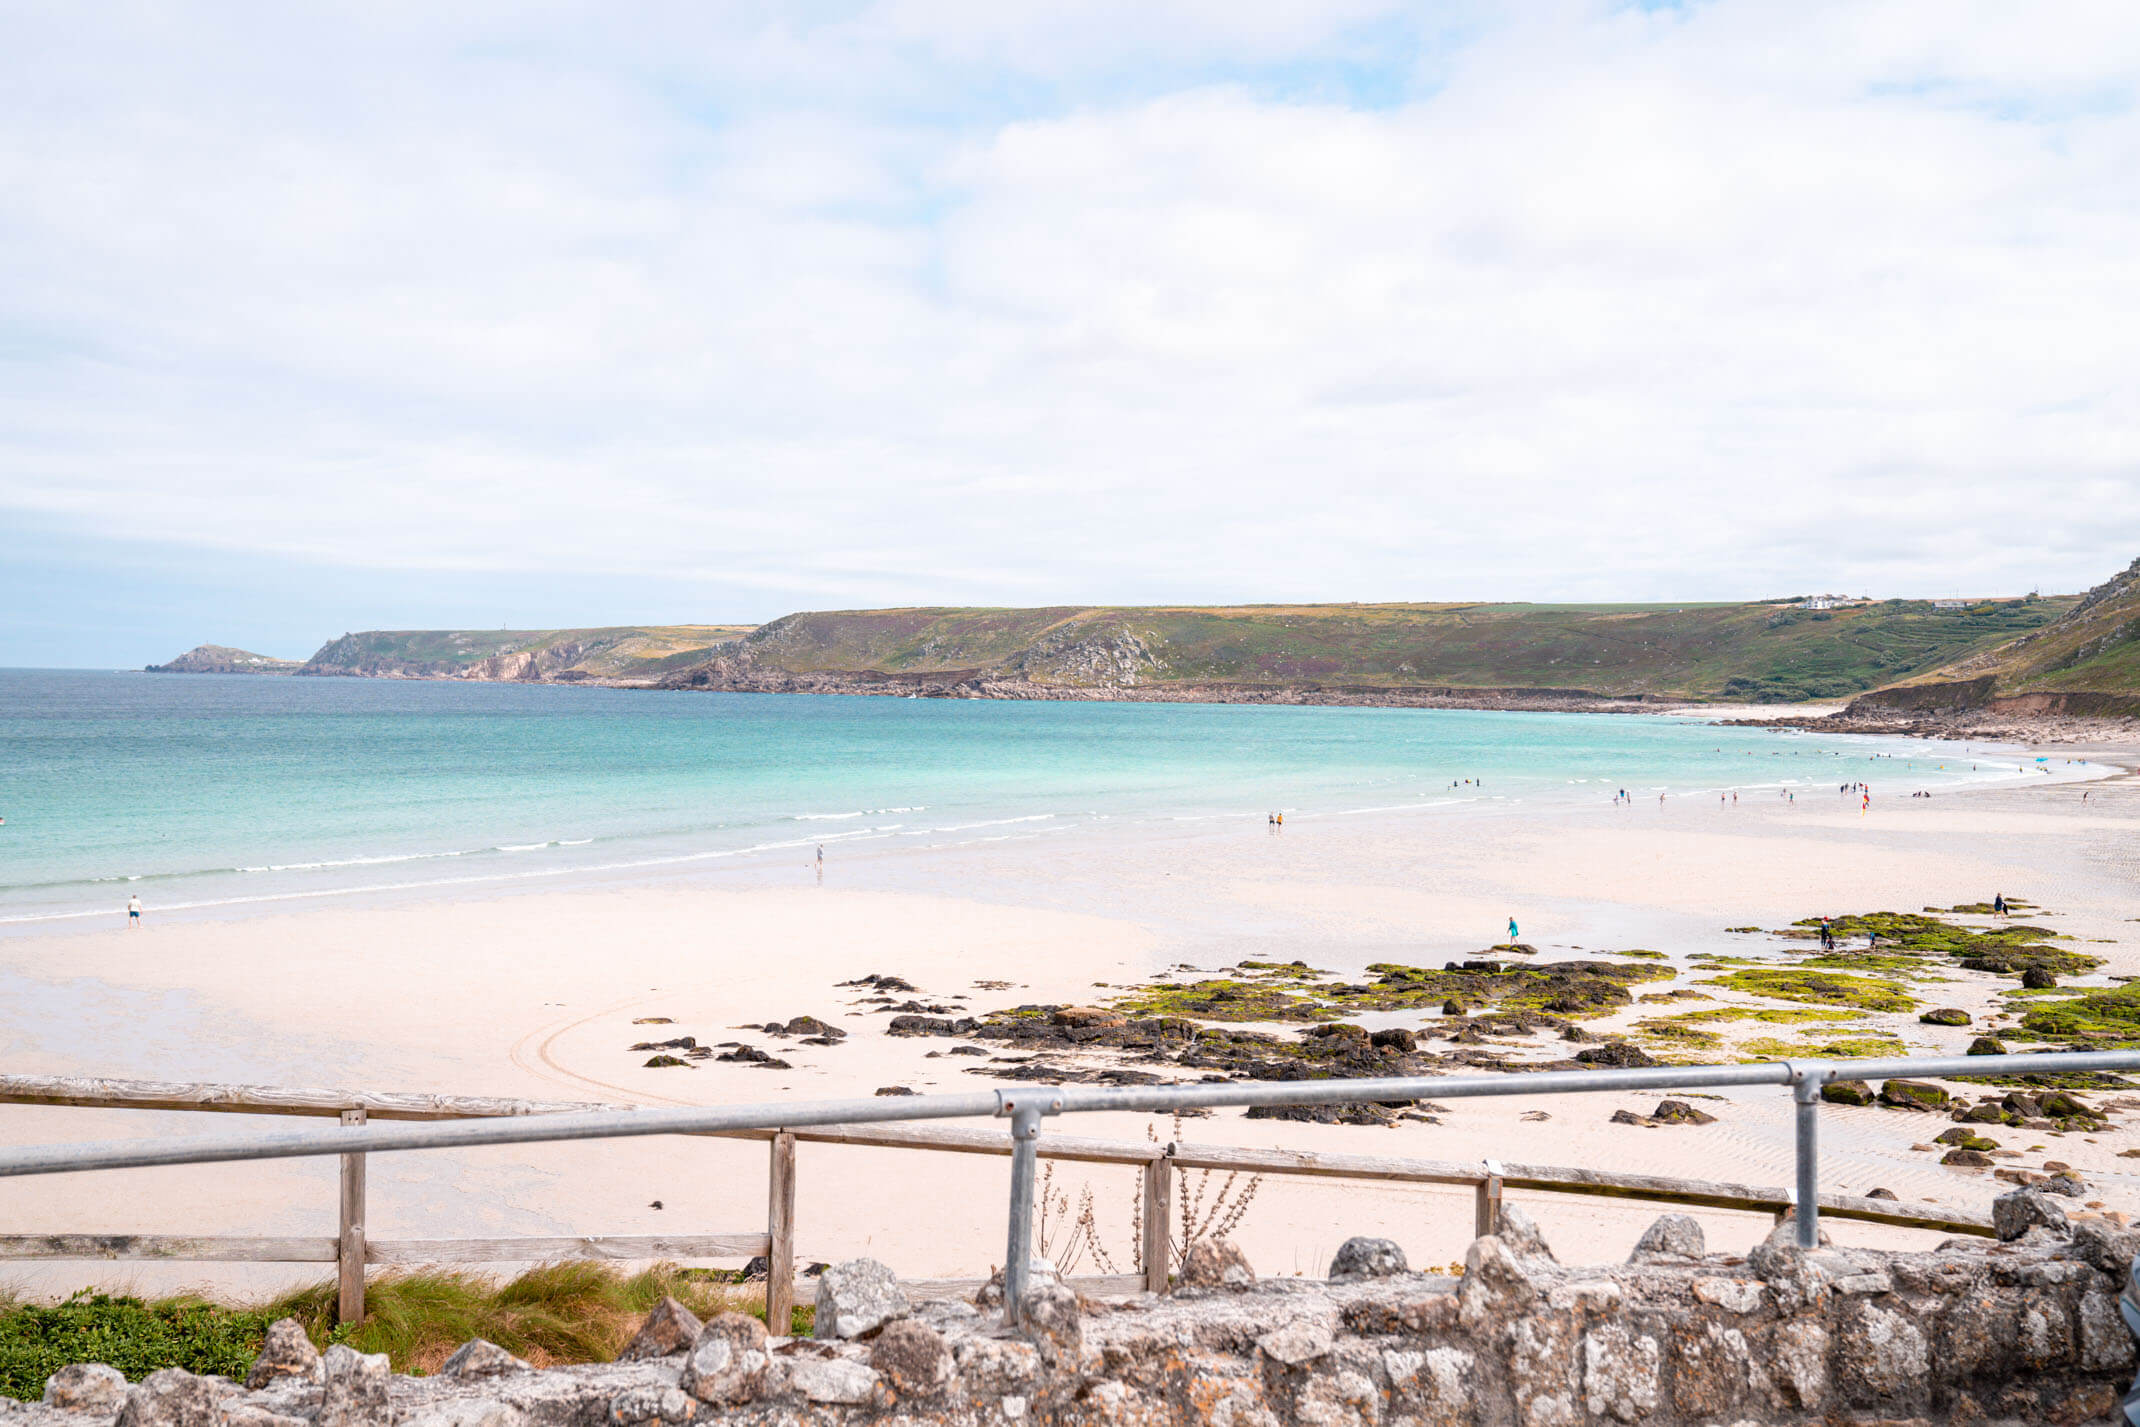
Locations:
{"points": [[1806, 1083], [1026, 1110], [527, 1129], [616, 1124]]}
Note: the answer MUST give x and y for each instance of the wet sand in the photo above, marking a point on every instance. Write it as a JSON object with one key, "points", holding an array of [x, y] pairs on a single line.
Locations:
{"points": [[536, 995]]}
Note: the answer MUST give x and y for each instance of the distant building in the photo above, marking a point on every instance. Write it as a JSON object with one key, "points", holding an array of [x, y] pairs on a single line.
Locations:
{"points": [[1832, 601], [1950, 604]]}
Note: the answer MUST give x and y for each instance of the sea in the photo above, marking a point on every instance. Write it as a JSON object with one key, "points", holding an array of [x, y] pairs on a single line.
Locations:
{"points": [[204, 792]]}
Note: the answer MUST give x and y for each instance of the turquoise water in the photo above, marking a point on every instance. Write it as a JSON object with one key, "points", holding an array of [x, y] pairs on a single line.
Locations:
{"points": [[205, 790]]}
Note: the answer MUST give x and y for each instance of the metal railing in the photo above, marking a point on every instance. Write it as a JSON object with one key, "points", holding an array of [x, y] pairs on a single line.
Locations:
{"points": [[1027, 1107]]}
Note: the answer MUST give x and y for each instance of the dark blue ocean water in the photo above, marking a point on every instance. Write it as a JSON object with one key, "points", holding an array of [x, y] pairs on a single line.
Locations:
{"points": [[194, 790]]}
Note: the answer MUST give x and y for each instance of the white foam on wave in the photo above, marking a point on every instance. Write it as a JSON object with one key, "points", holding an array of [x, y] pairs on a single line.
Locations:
{"points": [[994, 822]]}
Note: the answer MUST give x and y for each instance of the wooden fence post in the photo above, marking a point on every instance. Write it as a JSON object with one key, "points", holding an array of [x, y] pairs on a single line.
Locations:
{"points": [[780, 1230], [1487, 1218], [349, 1251], [1158, 1245]]}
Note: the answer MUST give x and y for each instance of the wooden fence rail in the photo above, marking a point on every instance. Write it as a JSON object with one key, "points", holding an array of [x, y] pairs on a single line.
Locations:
{"points": [[352, 1249]]}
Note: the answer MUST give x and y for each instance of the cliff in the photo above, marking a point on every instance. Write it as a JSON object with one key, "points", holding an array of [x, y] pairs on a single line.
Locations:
{"points": [[624, 654], [1491, 655], [2084, 664], [1448, 655], [222, 659]]}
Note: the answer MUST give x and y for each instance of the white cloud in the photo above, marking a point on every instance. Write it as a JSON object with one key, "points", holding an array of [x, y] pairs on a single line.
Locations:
{"points": [[935, 301]]}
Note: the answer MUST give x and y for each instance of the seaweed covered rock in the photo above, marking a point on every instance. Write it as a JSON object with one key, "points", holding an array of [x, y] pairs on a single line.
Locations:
{"points": [[1847, 1092], [1679, 1112], [1945, 1016], [1617, 1055], [1912, 1095]]}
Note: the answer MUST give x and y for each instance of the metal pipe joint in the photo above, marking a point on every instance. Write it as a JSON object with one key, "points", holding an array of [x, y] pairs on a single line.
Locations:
{"points": [[1025, 1109]]}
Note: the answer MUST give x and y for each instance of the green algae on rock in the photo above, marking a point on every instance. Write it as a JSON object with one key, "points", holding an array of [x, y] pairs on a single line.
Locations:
{"points": [[1824, 988], [1677, 1032], [2008, 950], [1868, 1046], [2108, 1018]]}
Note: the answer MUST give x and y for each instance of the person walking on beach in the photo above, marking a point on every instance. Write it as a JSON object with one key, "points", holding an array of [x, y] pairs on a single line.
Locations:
{"points": [[1512, 932], [133, 911], [1998, 904]]}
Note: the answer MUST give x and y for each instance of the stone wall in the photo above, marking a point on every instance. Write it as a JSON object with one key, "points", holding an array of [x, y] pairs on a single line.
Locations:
{"points": [[2024, 1331]]}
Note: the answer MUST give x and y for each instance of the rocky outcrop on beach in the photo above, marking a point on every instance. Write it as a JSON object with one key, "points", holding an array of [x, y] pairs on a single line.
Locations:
{"points": [[2022, 1331]]}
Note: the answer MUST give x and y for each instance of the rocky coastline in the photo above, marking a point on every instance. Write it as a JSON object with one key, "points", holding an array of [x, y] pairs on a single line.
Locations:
{"points": [[2025, 1330], [723, 676]]}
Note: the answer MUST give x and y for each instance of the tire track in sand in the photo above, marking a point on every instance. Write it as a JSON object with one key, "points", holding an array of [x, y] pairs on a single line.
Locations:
{"points": [[534, 1053]]}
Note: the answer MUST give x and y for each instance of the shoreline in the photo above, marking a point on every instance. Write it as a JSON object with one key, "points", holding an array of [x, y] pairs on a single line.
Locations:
{"points": [[760, 860], [2040, 728], [537, 994]]}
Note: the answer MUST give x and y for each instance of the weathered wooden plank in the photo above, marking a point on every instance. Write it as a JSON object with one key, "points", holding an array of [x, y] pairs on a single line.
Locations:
{"points": [[103, 1094], [1486, 1211], [1315, 1162], [961, 1141], [349, 1242], [780, 1233], [1158, 1212], [175, 1247], [545, 1250]]}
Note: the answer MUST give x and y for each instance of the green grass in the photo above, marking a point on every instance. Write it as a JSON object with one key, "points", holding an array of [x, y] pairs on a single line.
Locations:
{"points": [[133, 1336], [557, 1313]]}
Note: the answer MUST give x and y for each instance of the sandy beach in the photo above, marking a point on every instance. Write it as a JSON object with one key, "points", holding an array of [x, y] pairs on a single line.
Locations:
{"points": [[541, 993]]}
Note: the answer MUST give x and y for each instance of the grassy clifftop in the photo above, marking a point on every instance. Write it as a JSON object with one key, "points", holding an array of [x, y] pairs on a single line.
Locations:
{"points": [[2085, 662], [1768, 651], [618, 652], [222, 659], [1764, 651]]}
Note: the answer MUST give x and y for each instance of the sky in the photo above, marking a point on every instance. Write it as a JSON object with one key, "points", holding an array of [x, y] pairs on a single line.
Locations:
{"points": [[328, 317]]}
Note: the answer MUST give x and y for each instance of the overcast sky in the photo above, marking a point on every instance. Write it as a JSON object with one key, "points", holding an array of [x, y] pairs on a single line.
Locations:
{"points": [[317, 317]]}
